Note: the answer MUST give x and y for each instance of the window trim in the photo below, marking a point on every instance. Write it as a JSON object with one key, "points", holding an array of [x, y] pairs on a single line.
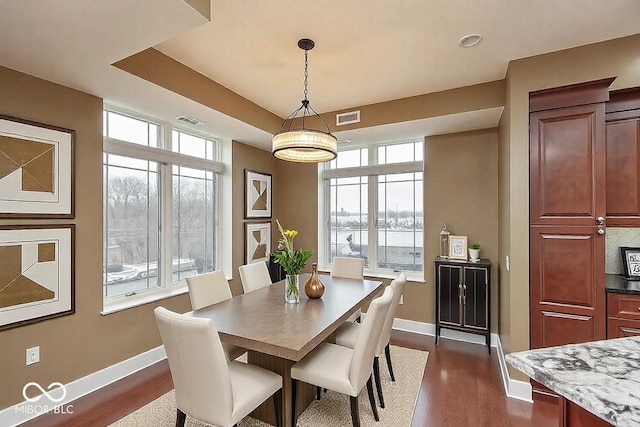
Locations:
{"points": [[373, 170], [166, 158]]}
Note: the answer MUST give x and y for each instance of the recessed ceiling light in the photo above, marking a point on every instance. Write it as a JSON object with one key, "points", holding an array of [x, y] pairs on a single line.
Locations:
{"points": [[470, 40]]}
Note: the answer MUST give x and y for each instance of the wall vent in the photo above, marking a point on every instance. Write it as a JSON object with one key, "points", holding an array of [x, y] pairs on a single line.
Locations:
{"points": [[347, 118], [190, 120]]}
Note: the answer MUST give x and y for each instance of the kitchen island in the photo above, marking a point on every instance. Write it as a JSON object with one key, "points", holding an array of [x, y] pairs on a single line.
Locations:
{"points": [[603, 377]]}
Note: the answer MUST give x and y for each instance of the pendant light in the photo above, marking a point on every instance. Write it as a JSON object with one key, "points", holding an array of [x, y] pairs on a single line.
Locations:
{"points": [[301, 144]]}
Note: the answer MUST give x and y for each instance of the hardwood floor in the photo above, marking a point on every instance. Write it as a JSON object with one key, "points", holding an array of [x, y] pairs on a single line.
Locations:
{"points": [[461, 387]]}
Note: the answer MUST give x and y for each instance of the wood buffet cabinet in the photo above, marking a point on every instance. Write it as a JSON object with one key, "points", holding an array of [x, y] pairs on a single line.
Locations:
{"points": [[463, 297]]}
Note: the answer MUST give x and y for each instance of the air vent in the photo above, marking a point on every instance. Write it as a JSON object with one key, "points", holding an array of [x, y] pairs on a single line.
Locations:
{"points": [[190, 120], [347, 118]]}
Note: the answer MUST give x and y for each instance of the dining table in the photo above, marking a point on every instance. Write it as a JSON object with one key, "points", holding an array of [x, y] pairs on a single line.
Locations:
{"points": [[278, 334]]}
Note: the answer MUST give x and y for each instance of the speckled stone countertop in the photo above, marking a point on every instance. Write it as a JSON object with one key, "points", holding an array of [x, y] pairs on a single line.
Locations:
{"points": [[603, 377]]}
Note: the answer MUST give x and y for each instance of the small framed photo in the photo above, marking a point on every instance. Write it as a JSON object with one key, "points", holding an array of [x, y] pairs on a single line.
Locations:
{"points": [[36, 170], [257, 242], [631, 262], [257, 194], [458, 247]]}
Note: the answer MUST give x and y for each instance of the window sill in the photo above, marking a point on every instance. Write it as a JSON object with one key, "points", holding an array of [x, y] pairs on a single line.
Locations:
{"points": [[125, 303], [411, 277]]}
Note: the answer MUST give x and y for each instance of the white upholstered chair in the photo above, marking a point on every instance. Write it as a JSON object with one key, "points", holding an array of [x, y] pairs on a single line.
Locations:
{"points": [[208, 387], [254, 276], [343, 369], [348, 334], [208, 289], [349, 268]]}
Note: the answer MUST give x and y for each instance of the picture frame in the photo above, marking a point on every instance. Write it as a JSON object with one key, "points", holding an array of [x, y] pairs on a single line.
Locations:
{"points": [[630, 262], [458, 247], [38, 273], [257, 241], [257, 194], [36, 170]]}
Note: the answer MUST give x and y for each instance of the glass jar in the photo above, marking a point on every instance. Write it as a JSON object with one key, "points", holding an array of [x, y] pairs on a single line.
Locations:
{"points": [[292, 288], [444, 242]]}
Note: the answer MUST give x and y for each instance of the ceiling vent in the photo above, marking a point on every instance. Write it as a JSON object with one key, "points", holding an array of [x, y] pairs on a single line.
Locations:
{"points": [[190, 120], [347, 118]]}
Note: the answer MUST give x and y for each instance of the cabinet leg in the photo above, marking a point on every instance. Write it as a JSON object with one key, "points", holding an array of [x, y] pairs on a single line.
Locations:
{"points": [[437, 334], [488, 340]]}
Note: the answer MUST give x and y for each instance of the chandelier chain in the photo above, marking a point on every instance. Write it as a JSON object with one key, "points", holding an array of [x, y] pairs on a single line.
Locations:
{"points": [[306, 74]]}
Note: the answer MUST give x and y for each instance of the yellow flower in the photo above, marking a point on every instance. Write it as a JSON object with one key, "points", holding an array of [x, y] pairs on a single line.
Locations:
{"points": [[291, 233]]}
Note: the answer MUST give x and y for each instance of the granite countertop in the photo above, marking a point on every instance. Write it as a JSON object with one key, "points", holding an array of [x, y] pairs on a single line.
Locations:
{"points": [[618, 284], [603, 377]]}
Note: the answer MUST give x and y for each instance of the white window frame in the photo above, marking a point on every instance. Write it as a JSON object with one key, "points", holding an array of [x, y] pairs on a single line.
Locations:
{"points": [[372, 171], [166, 158]]}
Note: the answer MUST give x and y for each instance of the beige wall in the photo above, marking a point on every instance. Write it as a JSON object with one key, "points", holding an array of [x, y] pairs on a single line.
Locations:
{"points": [[76, 345], [247, 157], [461, 190], [621, 58]]}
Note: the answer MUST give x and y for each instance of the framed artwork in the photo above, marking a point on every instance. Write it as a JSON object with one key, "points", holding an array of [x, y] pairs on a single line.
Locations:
{"points": [[36, 170], [631, 262], [458, 247], [257, 194], [37, 280], [257, 241]]}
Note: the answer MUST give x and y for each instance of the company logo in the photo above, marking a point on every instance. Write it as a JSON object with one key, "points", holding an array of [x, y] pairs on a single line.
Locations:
{"points": [[50, 395], [56, 392]]}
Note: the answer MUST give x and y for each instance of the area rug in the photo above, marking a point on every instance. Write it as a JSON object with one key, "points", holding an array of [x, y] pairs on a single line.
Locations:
{"points": [[332, 410]]}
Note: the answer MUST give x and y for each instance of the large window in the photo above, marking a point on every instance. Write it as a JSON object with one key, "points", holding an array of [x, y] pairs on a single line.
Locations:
{"points": [[373, 207], [160, 207]]}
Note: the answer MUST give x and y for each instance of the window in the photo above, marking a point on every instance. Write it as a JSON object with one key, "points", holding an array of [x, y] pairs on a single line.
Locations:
{"points": [[155, 175], [373, 207]]}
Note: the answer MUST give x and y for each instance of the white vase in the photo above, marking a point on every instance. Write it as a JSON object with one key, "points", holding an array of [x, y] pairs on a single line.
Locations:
{"points": [[474, 254]]}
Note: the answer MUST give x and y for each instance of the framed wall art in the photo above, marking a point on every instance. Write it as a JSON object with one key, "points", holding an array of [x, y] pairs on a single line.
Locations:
{"points": [[257, 241], [36, 273], [36, 170], [630, 262], [458, 247], [257, 192]]}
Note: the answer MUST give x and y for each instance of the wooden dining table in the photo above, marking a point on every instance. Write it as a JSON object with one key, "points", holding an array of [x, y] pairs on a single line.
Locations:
{"points": [[277, 334]]}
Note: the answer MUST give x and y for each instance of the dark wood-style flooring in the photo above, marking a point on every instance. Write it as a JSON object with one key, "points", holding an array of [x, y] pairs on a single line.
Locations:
{"points": [[461, 387]]}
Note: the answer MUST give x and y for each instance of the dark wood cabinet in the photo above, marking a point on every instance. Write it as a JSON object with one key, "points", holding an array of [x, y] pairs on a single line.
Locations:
{"points": [[623, 311], [463, 298], [567, 285], [623, 159], [567, 146]]}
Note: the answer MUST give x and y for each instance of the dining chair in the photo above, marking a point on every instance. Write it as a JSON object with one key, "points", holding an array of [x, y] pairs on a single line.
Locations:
{"points": [[254, 276], [348, 334], [342, 369], [208, 387], [208, 289], [349, 268]]}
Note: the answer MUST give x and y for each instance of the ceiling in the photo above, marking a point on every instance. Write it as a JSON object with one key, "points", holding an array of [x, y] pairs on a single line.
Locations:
{"points": [[367, 51]]}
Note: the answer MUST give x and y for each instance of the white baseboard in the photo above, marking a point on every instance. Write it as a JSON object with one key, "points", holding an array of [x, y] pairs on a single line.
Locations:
{"points": [[513, 388], [18, 414], [430, 329]]}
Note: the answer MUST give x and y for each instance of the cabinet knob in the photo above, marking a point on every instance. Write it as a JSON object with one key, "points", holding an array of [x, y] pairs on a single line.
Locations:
{"points": [[600, 220], [601, 231]]}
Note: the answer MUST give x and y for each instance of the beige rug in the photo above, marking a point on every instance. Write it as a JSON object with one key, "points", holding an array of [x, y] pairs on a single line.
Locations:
{"points": [[332, 410]]}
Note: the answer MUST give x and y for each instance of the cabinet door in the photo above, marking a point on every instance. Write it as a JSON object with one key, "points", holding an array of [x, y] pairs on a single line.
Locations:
{"points": [[623, 168], [567, 286], [567, 169], [449, 283], [475, 297]]}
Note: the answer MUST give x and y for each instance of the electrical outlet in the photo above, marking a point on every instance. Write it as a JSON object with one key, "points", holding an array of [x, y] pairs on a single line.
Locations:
{"points": [[506, 262], [33, 355], [401, 299]]}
